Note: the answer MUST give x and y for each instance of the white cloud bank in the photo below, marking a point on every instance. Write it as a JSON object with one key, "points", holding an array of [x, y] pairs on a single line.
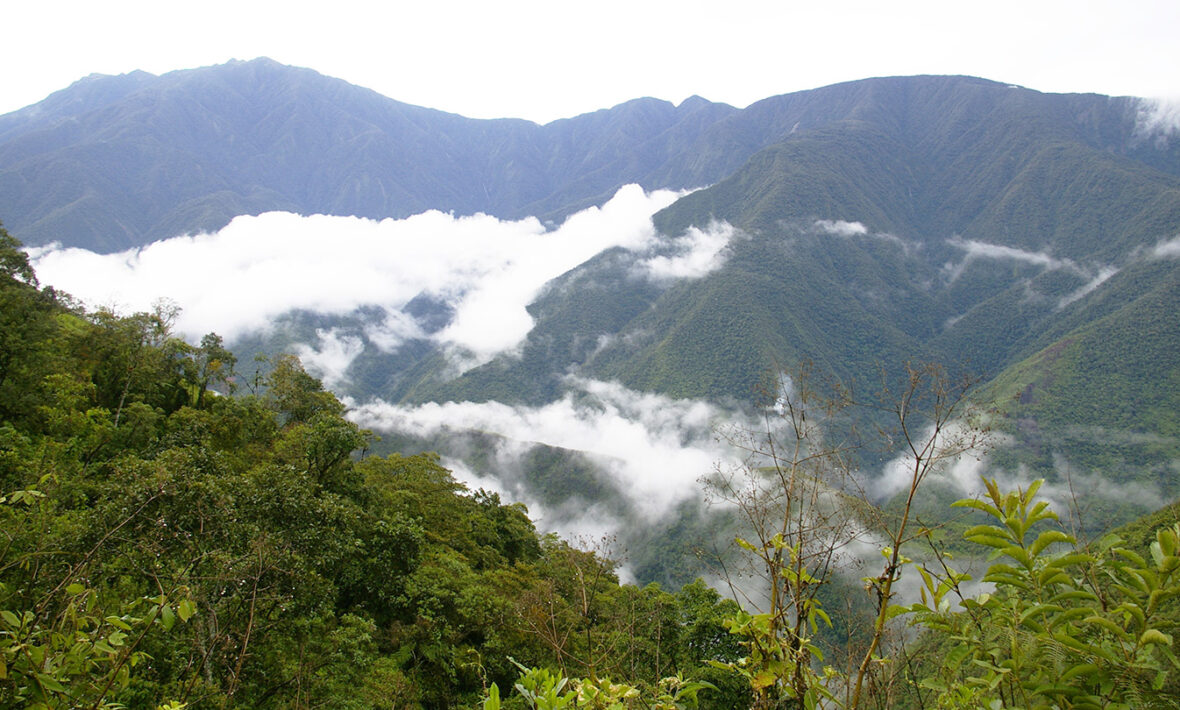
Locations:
{"points": [[655, 448], [983, 250], [1095, 275], [333, 356], [487, 270], [841, 228], [1158, 119], [1168, 249], [695, 254]]}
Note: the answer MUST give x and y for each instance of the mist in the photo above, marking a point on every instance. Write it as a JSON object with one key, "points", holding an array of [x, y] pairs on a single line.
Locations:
{"points": [[257, 268], [983, 250], [693, 255], [655, 449], [1167, 249], [841, 228], [1158, 120]]}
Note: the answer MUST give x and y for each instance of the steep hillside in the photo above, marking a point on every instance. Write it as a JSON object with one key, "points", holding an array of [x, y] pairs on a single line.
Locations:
{"points": [[1028, 237], [114, 162]]}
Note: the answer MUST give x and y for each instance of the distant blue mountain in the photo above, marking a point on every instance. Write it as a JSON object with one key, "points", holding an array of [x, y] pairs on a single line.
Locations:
{"points": [[118, 161], [996, 226]]}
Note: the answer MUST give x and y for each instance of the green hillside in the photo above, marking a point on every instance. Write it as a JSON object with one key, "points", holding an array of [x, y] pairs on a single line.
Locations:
{"points": [[172, 541], [1000, 230]]}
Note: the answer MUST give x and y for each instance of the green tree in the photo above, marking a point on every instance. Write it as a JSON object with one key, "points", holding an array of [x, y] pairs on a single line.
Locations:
{"points": [[1065, 626]]}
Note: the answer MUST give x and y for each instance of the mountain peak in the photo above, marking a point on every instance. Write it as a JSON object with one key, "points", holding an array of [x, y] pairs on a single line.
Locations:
{"points": [[694, 102]]}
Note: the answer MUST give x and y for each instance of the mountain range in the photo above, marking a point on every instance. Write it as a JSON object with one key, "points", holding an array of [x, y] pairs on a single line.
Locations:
{"points": [[1031, 238]]}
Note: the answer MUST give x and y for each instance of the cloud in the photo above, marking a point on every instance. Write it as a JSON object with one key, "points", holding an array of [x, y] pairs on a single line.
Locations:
{"points": [[259, 267], [962, 470], [332, 358], [694, 254], [983, 250], [1158, 119], [849, 230], [653, 448], [1095, 276], [841, 228], [1168, 249], [575, 519], [395, 328], [1100, 278], [1068, 489], [1082, 489]]}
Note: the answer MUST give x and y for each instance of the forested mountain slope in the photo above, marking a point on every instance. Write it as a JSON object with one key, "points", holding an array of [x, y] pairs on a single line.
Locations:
{"points": [[924, 217], [114, 162], [1028, 237], [169, 542]]}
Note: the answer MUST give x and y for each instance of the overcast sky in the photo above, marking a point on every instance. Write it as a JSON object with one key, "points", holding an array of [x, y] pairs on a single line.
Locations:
{"points": [[541, 59]]}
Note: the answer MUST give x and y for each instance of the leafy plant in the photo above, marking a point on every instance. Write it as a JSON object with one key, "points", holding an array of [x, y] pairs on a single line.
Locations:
{"points": [[1065, 627], [542, 689]]}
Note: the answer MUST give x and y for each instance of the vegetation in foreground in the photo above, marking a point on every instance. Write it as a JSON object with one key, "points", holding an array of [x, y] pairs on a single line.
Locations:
{"points": [[168, 541]]}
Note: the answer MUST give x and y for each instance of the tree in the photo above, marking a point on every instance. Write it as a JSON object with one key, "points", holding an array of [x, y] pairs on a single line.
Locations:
{"points": [[802, 510], [933, 424], [27, 329], [1064, 626]]}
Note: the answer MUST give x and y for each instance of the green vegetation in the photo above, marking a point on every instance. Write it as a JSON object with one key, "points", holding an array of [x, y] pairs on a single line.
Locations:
{"points": [[171, 540], [170, 537], [1072, 627], [176, 534]]}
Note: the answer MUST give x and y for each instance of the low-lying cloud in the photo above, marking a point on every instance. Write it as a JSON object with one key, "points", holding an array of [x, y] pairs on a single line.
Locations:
{"points": [[484, 269], [1094, 275], [841, 228], [693, 255], [1168, 249], [330, 360], [1158, 120], [1095, 281], [654, 448], [849, 230], [983, 250], [962, 470]]}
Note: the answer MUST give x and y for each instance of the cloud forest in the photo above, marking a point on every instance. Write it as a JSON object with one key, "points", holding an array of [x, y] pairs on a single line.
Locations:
{"points": [[859, 397]]}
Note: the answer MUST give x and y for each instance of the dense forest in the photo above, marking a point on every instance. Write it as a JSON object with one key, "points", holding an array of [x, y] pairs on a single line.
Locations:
{"points": [[179, 530]]}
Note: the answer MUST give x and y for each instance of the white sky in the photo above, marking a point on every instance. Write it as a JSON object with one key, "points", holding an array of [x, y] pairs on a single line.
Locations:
{"points": [[547, 59]]}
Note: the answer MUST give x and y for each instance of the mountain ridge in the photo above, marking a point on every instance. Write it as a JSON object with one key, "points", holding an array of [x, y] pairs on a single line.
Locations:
{"points": [[881, 220], [259, 130], [253, 136]]}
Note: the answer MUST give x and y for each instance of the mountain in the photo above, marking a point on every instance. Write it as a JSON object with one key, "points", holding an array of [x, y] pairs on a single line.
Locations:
{"points": [[1022, 236], [115, 162], [1028, 237], [978, 217]]}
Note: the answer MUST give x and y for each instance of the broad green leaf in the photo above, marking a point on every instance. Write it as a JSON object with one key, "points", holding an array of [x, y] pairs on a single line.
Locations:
{"points": [[1047, 538], [167, 617], [1075, 595], [1157, 554], [10, 619], [50, 683], [116, 621], [1109, 625], [1070, 559], [978, 505], [1131, 555]]}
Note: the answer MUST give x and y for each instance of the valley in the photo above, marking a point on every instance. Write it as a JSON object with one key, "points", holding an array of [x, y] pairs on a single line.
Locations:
{"points": [[571, 315]]}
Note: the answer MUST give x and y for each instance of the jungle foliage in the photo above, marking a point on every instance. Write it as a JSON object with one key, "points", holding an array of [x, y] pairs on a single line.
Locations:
{"points": [[174, 533]]}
